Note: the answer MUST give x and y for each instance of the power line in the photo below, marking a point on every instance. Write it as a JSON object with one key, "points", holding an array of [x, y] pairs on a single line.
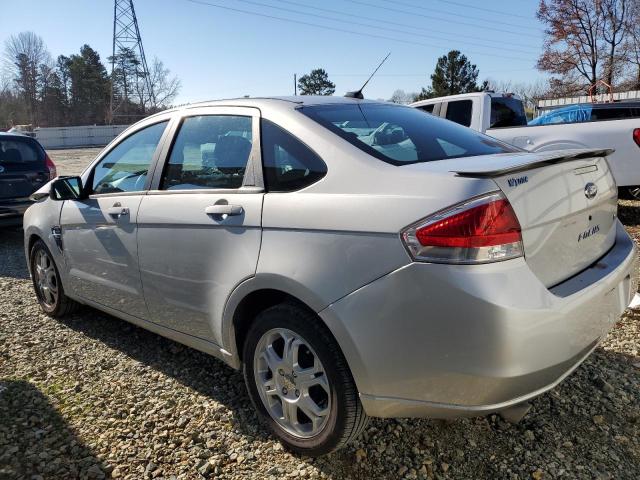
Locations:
{"points": [[368, 25], [455, 14], [343, 30], [405, 25], [431, 17], [497, 12]]}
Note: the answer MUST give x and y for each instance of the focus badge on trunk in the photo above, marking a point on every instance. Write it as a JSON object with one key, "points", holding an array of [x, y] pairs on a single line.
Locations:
{"points": [[590, 190]]}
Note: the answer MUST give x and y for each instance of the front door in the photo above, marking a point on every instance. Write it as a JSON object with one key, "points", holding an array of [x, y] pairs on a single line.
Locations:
{"points": [[99, 233], [199, 228]]}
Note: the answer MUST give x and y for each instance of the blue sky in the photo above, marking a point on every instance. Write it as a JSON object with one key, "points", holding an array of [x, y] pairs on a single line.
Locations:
{"points": [[226, 52]]}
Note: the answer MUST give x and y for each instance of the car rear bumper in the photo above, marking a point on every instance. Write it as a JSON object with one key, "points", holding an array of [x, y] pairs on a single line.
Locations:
{"points": [[444, 340], [11, 211]]}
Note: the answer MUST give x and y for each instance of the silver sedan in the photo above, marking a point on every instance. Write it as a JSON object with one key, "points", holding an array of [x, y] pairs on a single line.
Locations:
{"points": [[354, 258]]}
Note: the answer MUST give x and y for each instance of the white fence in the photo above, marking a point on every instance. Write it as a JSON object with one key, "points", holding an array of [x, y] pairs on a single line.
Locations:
{"points": [[69, 137], [550, 104]]}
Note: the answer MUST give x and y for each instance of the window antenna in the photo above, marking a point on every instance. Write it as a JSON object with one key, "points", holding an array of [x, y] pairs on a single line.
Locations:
{"points": [[358, 93]]}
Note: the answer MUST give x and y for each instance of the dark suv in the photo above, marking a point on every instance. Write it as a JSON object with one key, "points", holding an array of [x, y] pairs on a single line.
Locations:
{"points": [[24, 168]]}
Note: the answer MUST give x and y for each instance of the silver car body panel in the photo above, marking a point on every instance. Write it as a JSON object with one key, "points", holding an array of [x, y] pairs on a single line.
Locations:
{"points": [[420, 339]]}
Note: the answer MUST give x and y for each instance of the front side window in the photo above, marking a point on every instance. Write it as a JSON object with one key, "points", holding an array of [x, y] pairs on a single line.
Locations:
{"points": [[402, 135], [210, 151], [428, 108], [125, 167], [288, 163], [460, 112]]}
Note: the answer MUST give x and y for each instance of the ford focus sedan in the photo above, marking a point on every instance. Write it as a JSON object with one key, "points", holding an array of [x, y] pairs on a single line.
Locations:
{"points": [[354, 258]]}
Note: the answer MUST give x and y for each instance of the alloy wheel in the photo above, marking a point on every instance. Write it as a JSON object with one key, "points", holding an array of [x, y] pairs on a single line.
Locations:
{"points": [[46, 280], [292, 382]]}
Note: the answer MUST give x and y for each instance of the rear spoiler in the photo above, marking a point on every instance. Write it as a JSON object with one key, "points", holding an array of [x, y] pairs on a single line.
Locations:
{"points": [[541, 159]]}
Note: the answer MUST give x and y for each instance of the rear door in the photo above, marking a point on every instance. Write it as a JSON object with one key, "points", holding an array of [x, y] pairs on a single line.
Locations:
{"points": [[23, 168], [99, 232], [199, 228]]}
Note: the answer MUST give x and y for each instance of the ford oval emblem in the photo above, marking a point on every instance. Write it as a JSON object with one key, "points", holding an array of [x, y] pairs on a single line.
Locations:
{"points": [[590, 190], [1, 169]]}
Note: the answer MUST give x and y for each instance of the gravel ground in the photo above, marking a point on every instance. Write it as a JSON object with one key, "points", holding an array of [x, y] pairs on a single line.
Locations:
{"points": [[91, 396]]}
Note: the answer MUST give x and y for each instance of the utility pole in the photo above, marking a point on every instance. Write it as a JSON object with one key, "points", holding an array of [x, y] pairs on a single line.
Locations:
{"points": [[126, 36], [295, 85]]}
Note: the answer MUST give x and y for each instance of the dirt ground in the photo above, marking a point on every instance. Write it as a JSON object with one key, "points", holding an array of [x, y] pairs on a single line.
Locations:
{"points": [[72, 161]]}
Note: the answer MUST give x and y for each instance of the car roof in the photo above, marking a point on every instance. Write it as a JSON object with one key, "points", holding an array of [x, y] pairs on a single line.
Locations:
{"points": [[16, 136], [286, 102]]}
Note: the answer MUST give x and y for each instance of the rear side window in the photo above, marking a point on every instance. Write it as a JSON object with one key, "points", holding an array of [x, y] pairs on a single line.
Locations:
{"points": [[19, 153], [507, 112], [615, 113], [288, 163], [460, 112], [402, 135]]}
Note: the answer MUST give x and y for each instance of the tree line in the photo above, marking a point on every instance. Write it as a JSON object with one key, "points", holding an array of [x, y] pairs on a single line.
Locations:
{"points": [[72, 90]]}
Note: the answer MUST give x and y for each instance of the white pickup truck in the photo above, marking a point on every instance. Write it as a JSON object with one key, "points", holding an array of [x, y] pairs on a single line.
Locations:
{"points": [[502, 116]]}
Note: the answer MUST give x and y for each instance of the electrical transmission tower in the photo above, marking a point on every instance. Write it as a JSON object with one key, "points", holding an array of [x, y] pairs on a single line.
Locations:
{"points": [[127, 39]]}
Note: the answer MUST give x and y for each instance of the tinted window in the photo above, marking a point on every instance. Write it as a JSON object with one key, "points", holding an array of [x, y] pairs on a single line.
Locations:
{"points": [[616, 112], [460, 112], [210, 151], [507, 112], [288, 163], [402, 135], [18, 153], [428, 108], [125, 167]]}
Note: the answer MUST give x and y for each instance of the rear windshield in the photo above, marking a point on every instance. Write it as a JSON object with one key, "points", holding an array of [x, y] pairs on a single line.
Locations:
{"points": [[402, 135], [20, 152], [507, 112]]}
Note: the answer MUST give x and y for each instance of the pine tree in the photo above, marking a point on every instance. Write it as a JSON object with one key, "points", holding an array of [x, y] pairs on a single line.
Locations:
{"points": [[316, 83]]}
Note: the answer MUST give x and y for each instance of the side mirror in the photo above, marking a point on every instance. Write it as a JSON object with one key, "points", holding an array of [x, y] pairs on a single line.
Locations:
{"points": [[66, 188]]}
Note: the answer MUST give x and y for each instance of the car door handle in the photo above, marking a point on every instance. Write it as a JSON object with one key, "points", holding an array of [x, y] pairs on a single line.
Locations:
{"points": [[231, 210], [117, 211]]}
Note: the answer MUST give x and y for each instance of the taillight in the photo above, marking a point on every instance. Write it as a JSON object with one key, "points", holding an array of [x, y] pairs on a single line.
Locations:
{"points": [[636, 136], [53, 173], [481, 230]]}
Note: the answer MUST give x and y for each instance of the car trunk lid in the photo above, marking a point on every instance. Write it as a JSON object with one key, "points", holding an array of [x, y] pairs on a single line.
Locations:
{"points": [[565, 202]]}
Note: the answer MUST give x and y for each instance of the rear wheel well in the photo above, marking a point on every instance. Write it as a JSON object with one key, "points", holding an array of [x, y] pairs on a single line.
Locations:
{"points": [[252, 305]]}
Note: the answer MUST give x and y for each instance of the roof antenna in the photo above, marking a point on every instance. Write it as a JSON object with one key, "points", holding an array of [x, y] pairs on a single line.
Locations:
{"points": [[358, 93]]}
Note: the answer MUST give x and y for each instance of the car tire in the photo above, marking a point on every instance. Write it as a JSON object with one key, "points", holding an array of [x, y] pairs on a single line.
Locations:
{"points": [[335, 412], [47, 284]]}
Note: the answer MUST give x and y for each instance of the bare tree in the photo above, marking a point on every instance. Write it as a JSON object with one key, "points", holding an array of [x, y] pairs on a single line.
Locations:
{"points": [[24, 53], [613, 33], [402, 97], [530, 93], [572, 37], [165, 87], [632, 45]]}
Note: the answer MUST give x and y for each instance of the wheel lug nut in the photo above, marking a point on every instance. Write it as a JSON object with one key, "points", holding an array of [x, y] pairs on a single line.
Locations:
{"points": [[284, 390], [294, 374], [297, 393], [280, 371]]}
